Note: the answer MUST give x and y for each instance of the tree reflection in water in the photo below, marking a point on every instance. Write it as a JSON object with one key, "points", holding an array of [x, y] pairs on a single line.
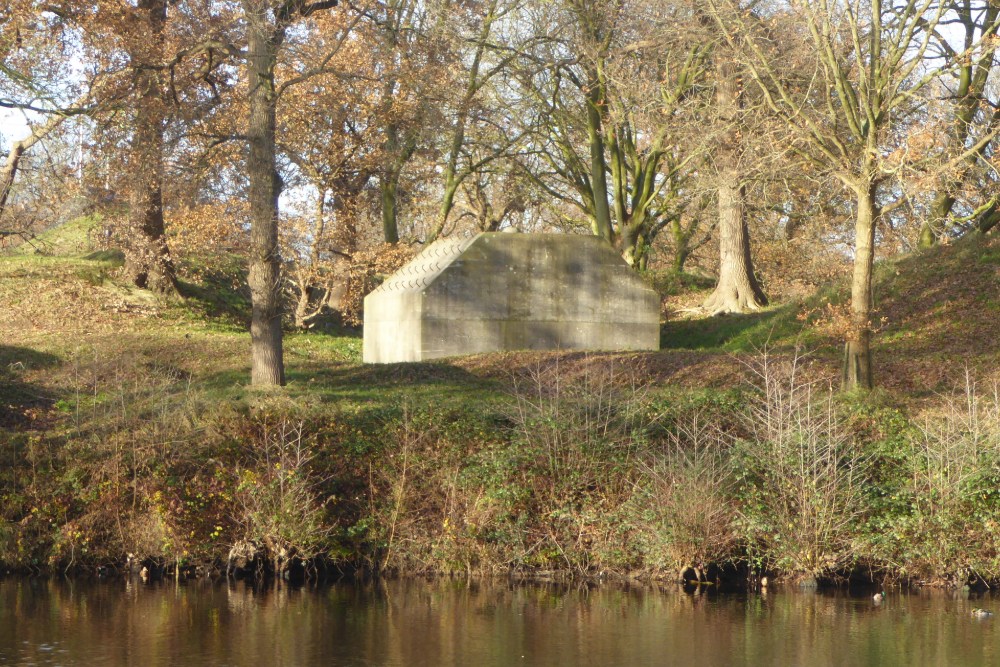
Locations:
{"points": [[447, 622]]}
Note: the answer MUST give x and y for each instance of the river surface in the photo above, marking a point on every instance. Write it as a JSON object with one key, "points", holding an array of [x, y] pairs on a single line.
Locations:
{"points": [[120, 622]]}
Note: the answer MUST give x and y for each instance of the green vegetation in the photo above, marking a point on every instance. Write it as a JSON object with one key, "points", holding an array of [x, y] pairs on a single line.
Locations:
{"points": [[128, 428]]}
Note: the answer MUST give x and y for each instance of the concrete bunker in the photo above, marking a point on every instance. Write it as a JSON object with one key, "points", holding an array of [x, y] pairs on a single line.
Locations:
{"points": [[503, 291]]}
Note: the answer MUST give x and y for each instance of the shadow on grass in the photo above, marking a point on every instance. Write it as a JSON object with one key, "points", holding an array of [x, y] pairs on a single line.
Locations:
{"points": [[329, 324], [367, 404], [216, 299], [23, 358], [113, 257], [18, 397], [388, 384], [733, 332]]}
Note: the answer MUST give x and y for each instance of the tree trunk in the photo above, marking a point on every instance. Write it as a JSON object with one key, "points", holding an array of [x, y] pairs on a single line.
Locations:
{"points": [[305, 308], [447, 204], [682, 245], [738, 290], [147, 258], [400, 149], [267, 363], [857, 370], [306, 274], [972, 76], [390, 227], [631, 249], [934, 226], [988, 219], [9, 171], [598, 166]]}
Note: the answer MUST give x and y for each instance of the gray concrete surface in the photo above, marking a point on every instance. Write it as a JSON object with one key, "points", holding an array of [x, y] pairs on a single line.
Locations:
{"points": [[501, 291]]}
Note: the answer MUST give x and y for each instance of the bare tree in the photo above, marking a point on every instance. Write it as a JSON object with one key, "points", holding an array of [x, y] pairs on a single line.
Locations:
{"points": [[36, 133], [967, 66], [476, 136], [614, 96], [865, 65]]}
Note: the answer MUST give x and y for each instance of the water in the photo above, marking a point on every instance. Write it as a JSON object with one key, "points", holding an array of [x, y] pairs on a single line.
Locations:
{"points": [[57, 622]]}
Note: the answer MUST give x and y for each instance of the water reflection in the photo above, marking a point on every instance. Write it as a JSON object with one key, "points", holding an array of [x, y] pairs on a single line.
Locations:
{"points": [[56, 622]]}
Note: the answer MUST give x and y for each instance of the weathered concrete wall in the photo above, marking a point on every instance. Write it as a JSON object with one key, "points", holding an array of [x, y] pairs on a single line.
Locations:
{"points": [[510, 291]]}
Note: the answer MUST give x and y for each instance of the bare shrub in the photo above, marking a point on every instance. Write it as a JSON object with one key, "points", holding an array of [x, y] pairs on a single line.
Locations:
{"points": [[805, 477], [278, 504], [398, 497], [425, 512], [951, 533], [568, 418], [685, 500], [580, 433]]}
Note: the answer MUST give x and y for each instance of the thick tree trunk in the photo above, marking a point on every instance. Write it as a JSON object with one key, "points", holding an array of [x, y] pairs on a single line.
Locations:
{"points": [[857, 370], [738, 290], [634, 246], [632, 249], [147, 258], [267, 363]]}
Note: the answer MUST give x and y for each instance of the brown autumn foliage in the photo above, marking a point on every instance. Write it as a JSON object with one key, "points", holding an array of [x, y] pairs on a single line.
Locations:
{"points": [[367, 270]]}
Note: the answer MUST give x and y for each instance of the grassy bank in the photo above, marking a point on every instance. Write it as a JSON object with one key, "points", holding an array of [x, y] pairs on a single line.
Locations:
{"points": [[129, 428]]}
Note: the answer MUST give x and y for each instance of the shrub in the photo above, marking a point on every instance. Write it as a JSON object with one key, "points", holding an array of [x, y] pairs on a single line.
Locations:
{"points": [[580, 438], [277, 501], [803, 475], [684, 500], [952, 491]]}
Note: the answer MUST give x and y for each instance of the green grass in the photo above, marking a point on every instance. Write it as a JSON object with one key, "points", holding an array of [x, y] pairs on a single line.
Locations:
{"points": [[71, 238], [669, 283], [26, 265], [214, 289], [731, 333], [204, 335]]}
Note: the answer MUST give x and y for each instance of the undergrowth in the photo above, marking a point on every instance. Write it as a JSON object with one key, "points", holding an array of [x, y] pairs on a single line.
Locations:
{"points": [[585, 470]]}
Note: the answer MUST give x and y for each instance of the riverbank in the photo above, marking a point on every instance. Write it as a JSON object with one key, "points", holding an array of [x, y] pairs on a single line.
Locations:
{"points": [[129, 429]]}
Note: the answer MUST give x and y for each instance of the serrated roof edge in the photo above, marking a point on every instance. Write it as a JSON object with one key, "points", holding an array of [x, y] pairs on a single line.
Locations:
{"points": [[421, 271]]}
